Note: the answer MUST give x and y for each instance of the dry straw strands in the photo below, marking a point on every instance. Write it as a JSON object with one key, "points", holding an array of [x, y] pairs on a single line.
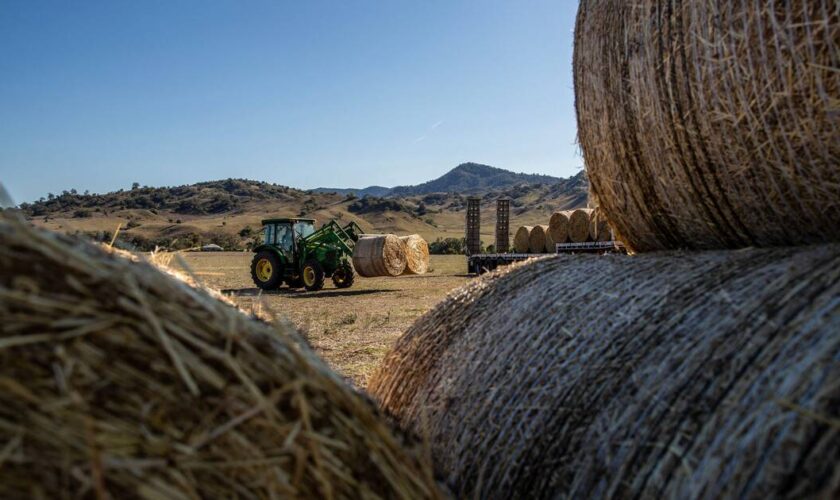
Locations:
{"points": [[417, 254], [536, 240], [599, 229], [379, 255], [714, 375], [713, 123], [549, 241], [119, 381], [558, 227], [579, 224], [522, 239]]}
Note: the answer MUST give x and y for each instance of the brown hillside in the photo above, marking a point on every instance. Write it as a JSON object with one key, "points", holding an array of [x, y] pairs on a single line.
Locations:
{"points": [[229, 212]]}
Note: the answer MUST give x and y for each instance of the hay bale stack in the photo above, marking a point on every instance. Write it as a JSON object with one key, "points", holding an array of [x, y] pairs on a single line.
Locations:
{"points": [[713, 375], [599, 229], [558, 227], [522, 239], [579, 224], [711, 124], [117, 381], [536, 239], [550, 247], [379, 255], [416, 253]]}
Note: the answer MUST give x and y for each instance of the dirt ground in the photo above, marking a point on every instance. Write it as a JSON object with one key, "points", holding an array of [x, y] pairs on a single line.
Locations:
{"points": [[351, 329]]}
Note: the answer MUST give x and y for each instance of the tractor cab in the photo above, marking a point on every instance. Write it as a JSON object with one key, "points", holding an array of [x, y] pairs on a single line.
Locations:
{"points": [[284, 234]]}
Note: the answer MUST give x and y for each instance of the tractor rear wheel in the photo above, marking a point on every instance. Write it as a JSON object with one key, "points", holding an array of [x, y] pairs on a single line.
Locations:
{"points": [[343, 276], [313, 276], [267, 270]]}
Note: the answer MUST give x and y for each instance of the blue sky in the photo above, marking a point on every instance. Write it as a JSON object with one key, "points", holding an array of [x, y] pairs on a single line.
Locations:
{"points": [[97, 95]]}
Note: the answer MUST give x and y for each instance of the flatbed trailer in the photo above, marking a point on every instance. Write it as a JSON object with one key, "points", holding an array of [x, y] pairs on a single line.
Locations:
{"points": [[484, 262]]}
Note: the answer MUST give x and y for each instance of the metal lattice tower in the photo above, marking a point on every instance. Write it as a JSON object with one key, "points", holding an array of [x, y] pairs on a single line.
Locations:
{"points": [[502, 225], [473, 225]]}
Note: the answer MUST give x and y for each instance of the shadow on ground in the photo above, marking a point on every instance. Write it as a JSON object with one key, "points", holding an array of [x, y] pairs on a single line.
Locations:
{"points": [[299, 294]]}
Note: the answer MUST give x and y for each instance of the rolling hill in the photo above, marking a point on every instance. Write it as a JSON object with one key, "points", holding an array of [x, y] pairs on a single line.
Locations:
{"points": [[228, 212]]}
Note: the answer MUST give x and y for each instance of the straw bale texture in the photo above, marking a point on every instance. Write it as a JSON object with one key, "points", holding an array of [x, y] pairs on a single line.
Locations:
{"points": [[118, 381], [711, 123], [549, 241], [713, 375], [558, 227], [599, 229], [522, 239], [579, 224], [416, 253], [536, 239], [379, 255]]}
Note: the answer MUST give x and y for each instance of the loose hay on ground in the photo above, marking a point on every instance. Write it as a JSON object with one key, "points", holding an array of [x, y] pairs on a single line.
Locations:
{"points": [[673, 375], [116, 380]]}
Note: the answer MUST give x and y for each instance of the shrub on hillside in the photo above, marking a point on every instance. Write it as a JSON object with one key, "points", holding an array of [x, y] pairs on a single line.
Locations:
{"points": [[447, 246]]}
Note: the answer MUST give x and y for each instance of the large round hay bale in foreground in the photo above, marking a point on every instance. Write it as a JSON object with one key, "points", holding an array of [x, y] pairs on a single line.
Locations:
{"points": [[579, 224], [599, 229], [705, 375], [379, 255], [536, 239], [522, 239], [416, 253], [118, 381], [711, 124], [558, 227]]}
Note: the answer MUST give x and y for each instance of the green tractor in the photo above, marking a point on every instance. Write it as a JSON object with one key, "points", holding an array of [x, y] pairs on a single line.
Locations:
{"points": [[295, 253]]}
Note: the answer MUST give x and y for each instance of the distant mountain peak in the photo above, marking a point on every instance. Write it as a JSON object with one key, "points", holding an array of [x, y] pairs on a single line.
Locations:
{"points": [[469, 177], [473, 177]]}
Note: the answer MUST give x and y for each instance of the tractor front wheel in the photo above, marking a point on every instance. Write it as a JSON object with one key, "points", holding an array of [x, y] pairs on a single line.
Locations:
{"points": [[343, 276], [267, 270], [313, 276]]}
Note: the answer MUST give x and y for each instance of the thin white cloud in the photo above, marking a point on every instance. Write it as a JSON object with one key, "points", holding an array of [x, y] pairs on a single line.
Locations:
{"points": [[429, 131]]}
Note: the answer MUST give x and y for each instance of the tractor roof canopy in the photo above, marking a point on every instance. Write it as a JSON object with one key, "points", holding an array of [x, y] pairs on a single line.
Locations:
{"points": [[286, 221]]}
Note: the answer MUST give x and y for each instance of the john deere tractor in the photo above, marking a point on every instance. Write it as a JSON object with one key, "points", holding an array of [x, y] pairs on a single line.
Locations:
{"points": [[293, 252]]}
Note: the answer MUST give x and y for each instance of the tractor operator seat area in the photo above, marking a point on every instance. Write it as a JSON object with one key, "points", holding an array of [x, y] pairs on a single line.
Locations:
{"points": [[284, 238], [303, 229]]}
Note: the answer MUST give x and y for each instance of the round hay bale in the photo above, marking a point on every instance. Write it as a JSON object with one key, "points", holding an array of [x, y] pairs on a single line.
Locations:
{"points": [[522, 239], [599, 229], [379, 255], [536, 239], [710, 374], [579, 224], [558, 227], [711, 124], [118, 381], [417, 254], [549, 241]]}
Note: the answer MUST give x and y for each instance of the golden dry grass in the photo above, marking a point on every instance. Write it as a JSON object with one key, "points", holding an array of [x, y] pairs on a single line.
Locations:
{"points": [[351, 329]]}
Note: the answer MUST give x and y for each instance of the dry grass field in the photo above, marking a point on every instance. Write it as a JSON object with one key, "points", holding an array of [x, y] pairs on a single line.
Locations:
{"points": [[351, 329]]}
